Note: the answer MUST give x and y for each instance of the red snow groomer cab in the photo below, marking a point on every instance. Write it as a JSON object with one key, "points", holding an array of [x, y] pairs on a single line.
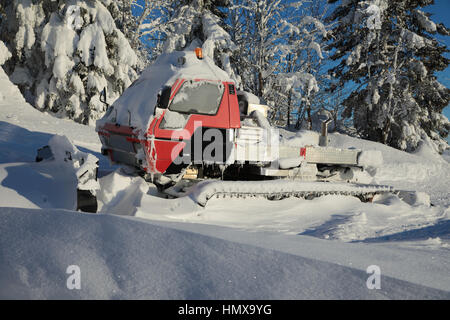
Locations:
{"points": [[185, 110], [184, 119]]}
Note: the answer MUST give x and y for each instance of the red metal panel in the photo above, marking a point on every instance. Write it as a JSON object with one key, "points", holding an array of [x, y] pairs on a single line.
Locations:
{"points": [[220, 120], [125, 130], [303, 152], [166, 152], [162, 165], [227, 116], [103, 133], [235, 116], [176, 86], [151, 128]]}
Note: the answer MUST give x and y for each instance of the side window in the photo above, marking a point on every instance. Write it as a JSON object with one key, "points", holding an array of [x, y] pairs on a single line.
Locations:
{"points": [[198, 97], [174, 120], [163, 98], [243, 105]]}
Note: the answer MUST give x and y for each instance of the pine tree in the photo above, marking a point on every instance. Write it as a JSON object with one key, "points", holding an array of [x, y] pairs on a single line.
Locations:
{"points": [[129, 23], [150, 18], [4, 53], [278, 47], [65, 53], [255, 24], [200, 23], [388, 51]]}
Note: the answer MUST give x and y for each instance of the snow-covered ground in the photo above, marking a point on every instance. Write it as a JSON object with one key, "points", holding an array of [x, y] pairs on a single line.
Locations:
{"points": [[143, 246]]}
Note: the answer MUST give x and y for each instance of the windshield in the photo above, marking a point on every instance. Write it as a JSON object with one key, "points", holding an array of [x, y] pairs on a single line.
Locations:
{"points": [[201, 97]]}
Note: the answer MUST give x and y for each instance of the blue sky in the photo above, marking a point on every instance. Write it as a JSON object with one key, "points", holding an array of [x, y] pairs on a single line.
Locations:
{"points": [[441, 13]]}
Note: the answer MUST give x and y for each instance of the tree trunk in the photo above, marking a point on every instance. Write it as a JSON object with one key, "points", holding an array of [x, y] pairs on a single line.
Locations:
{"points": [[386, 130], [260, 85], [289, 109], [308, 113]]}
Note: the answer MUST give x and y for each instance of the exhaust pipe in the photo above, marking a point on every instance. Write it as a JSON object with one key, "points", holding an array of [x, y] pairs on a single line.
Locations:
{"points": [[323, 138]]}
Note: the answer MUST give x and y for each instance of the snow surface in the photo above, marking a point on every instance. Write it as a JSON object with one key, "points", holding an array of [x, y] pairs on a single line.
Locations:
{"points": [[370, 159], [142, 245], [129, 258]]}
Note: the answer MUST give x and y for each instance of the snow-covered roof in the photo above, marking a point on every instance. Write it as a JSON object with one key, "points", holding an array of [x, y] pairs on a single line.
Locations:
{"points": [[139, 100]]}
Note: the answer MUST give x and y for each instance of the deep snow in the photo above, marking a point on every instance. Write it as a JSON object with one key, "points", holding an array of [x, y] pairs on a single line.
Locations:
{"points": [[232, 248], [129, 258]]}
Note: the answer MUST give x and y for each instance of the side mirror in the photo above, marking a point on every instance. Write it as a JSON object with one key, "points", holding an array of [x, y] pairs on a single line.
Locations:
{"points": [[103, 97]]}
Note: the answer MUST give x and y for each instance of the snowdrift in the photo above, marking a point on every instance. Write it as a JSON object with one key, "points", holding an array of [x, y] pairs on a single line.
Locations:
{"points": [[129, 259]]}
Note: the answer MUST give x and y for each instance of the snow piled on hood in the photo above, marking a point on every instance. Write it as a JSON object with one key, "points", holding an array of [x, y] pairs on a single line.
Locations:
{"points": [[136, 106]]}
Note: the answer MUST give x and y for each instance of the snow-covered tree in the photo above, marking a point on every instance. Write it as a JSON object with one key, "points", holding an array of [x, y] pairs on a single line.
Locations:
{"points": [[303, 57], [200, 23], [129, 15], [65, 53], [179, 24], [4, 53], [152, 17], [253, 24], [389, 54], [278, 45]]}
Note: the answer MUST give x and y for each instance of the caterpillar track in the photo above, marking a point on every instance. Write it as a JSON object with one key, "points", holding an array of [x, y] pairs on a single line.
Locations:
{"points": [[205, 190]]}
